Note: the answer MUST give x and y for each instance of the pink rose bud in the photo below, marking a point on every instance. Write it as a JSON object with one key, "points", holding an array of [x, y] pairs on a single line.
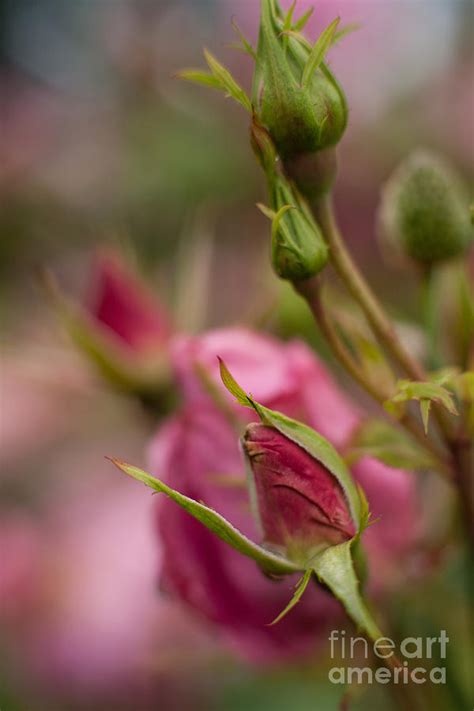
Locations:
{"points": [[122, 305], [300, 503]]}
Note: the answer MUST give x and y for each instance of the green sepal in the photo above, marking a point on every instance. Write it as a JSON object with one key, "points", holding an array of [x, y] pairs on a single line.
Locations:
{"points": [[309, 440], [318, 51], [301, 586], [217, 524], [227, 81], [283, 107], [246, 46], [219, 78], [197, 76], [334, 568], [302, 22], [344, 31]]}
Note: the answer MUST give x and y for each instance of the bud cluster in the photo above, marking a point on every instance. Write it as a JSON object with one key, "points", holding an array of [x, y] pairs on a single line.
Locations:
{"points": [[297, 98], [299, 101]]}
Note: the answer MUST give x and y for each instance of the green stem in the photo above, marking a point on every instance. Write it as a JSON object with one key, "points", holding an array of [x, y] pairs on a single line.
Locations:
{"points": [[361, 291], [381, 324], [466, 308], [430, 316], [461, 456], [311, 291]]}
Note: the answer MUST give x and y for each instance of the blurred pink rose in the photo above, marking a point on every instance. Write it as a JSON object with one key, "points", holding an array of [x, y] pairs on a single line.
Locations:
{"points": [[124, 310], [38, 384], [197, 453], [20, 548], [79, 603]]}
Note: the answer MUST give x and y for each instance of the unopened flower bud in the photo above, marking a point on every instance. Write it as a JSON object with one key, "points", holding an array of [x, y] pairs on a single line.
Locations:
{"points": [[122, 330], [424, 211], [295, 95], [123, 310], [298, 248], [300, 503]]}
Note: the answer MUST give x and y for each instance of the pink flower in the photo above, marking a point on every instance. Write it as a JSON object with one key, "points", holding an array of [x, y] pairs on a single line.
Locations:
{"points": [[286, 377], [124, 310], [197, 453], [79, 609]]}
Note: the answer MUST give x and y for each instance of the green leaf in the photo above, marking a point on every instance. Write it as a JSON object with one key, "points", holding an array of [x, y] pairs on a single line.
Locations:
{"points": [[358, 338], [319, 50], [379, 439], [199, 77], [444, 376], [300, 588], [334, 567], [414, 390], [309, 440], [425, 407], [227, 81], [214, 522], [425, 393]]}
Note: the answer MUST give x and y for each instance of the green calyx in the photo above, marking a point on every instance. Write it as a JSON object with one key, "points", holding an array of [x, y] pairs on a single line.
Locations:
{"points": [[424, 210], [295, 94]]}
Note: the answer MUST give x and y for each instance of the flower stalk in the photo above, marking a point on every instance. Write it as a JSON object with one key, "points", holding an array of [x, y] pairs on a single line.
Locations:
{"points": [[358, 287], [311, 292], [460, 447]]}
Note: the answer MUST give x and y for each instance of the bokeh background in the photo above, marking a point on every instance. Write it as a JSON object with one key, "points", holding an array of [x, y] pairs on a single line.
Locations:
{"points": [[102, 146]]}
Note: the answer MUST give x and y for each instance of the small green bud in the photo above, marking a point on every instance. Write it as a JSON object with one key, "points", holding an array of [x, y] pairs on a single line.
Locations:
{"points": [[295, 94], [424, 211], [298, 248]]}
